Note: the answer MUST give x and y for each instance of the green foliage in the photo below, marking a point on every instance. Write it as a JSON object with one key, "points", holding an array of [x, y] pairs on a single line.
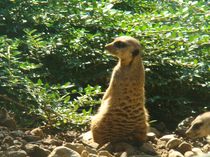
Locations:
{"points": [[45, 44]]}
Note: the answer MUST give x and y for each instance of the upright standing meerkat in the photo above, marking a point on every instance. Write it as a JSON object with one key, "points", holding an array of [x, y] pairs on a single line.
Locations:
{"points": [[200, 126], [122, 116]]}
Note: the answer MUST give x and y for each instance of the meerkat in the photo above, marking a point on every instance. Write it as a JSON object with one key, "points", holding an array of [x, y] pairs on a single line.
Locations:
{"points": [[6, 119], [200, 126], [122, 116]]}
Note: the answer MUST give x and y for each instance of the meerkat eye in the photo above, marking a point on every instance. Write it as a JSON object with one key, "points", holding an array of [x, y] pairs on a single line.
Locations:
{"points": [[120, 44], [197, 126]]}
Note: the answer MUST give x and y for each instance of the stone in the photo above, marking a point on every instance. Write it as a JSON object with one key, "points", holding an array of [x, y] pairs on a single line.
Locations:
{"points": [[197, 151], [104, 153], [124, 154], [17, 133], [161, 144], [52, 141], [206, 148], [189, 154], [20, 153], [17, 142], [85, 153], [4, 146], [91, 150], [2, 154], [92, 155], [107, 146], [62, 151], [1, 135], [151, 136], [173, 143], [31, 138], [148, 149], [184, 147], [36, 151], [155, 131], [174, 153], [143, 155], [79, 148], [8, 140], [167, 137], [14, 148], [203, 155], [87, 136]]}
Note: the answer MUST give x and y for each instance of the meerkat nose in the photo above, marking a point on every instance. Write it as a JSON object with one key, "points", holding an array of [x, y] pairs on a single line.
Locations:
{"points": [[188, 133], [107, 47]]}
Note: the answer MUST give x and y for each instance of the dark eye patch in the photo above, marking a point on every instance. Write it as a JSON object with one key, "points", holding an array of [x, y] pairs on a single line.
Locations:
{"points": [[197, 126], [120, 44]]}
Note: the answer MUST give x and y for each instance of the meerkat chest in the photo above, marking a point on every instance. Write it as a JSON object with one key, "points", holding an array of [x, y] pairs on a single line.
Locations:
{"points": [[127, 88]]}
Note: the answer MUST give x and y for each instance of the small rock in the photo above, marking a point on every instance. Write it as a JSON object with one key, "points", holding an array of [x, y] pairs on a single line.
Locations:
{"points": [[144, 155], [1, 135], [52, 141], [37, 132], [79, 148], [85, 153], [62, 151], [17, 133], [124, 154], [92, 155], [31, 138], [151, 136], [167, 137], [203, 155], [87, 136], [104, 153], [206, 148], [189, 154], [4, 146], [8, 140], [35, 151], [184, 147], [2, 154], [173, 143], [16, 142], [174, 153], [197, 151], [161, 144], [3, 128], [20, 153], [91, 150], [14, 148], [107, 146], [148, 149], [155, 131]]}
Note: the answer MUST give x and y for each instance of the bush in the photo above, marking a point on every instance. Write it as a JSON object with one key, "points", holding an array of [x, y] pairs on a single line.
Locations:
{"points": [[48, 43]]}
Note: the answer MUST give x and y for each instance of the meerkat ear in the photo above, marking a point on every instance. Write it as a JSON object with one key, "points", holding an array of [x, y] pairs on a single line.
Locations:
{"points": [[135, 52]]}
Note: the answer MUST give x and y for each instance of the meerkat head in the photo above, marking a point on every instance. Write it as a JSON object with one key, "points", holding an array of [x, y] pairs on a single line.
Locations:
{"points": [[124, 47], [200, 127]]}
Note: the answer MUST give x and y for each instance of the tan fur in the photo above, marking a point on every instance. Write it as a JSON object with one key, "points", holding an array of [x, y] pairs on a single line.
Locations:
{"points": [[122, 115], [200, 127]]}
